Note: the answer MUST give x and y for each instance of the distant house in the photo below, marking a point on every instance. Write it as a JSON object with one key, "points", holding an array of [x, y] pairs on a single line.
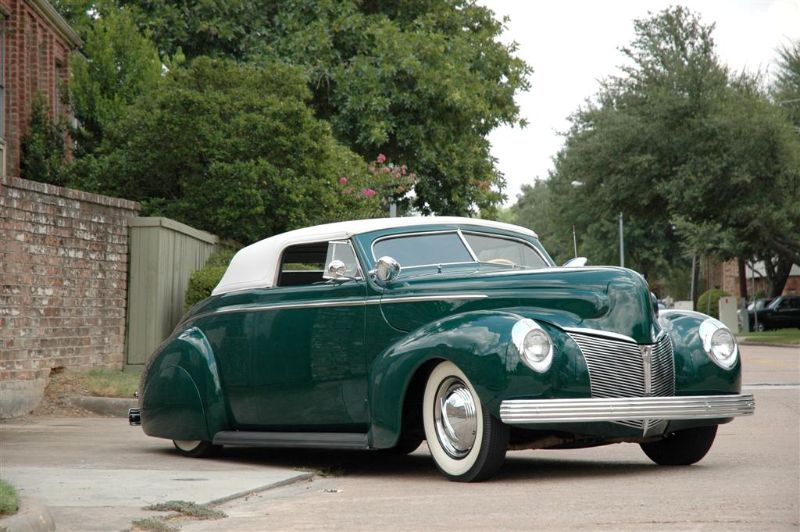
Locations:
{"points": [[35, 43], [728, 279]]}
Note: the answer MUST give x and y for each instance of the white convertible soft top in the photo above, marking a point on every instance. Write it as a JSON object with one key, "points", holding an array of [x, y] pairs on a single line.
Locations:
{"points": [[255, 265]]}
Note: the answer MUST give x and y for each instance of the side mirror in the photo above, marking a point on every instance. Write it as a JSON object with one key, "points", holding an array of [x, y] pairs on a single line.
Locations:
{"points": [[337, 269], [577, 262], [386, 269]]}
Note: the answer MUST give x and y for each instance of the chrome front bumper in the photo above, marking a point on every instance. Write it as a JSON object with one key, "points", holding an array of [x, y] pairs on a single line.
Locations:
{"points": [[524, 411]]}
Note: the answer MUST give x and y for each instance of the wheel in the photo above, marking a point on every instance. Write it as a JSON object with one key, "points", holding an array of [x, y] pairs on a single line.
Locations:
{"points": [[685, 447], [466, 442], [760, 327], [196, 448]]}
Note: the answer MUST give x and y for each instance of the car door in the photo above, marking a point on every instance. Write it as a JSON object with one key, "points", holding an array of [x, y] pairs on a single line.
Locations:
{"points": [[295, 361]]}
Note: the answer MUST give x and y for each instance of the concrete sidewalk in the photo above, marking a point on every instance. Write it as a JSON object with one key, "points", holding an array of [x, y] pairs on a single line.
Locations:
{"points": [[98, 473]]}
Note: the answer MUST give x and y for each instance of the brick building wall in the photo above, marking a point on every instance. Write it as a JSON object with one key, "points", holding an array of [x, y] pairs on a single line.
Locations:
{"points": [[36, 43], [63, 281]]}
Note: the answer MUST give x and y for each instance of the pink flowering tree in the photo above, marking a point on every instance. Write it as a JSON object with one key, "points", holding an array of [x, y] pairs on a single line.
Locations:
{"points": [[370, 195]]}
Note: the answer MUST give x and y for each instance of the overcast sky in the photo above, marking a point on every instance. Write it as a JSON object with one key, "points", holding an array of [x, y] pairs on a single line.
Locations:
{"points": [[571, 44]]}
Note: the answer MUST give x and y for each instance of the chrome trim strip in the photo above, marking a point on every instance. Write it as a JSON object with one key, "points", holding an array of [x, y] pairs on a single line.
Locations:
{"points": [[534, 411], [598, 332], [442, 297], [341, 303]]}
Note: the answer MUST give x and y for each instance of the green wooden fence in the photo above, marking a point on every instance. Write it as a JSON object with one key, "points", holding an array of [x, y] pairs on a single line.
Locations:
{"points": [[163, 254]]}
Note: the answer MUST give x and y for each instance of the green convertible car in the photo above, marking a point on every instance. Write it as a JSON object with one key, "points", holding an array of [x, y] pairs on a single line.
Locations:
{"points": [[379, 334]]}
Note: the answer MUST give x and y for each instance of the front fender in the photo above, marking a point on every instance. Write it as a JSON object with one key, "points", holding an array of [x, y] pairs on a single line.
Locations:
{"points": [[479, 343], [181, 396], [695, 372]]}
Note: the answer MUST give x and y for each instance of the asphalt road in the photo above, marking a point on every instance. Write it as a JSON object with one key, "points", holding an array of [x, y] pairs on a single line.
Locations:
{"points": [[750, 480], [97, 473]]}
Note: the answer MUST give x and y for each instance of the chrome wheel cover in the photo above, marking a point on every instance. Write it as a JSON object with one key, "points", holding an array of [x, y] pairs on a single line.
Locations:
{"points": [[456, 417]]}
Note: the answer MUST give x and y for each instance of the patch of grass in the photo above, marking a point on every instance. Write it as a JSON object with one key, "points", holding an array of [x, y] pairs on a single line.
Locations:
{"points": [[153, 524], [9, 502], [112, 383], [189, 509], [778, 336]]}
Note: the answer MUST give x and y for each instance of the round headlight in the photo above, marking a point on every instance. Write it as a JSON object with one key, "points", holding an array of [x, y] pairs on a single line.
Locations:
{"points": [[719, 343], [534, 344], [723, 347]]}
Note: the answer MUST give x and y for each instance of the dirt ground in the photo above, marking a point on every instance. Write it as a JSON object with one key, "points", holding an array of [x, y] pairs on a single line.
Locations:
{"points": [[61, 386]]}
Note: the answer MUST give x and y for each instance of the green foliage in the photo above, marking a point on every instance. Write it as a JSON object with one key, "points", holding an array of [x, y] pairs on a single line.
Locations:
{"points": [[201, 283], [708, 302], [787, 84], [117, 65], [42, 157], [423, 82], [229, 148], [9, 502]]}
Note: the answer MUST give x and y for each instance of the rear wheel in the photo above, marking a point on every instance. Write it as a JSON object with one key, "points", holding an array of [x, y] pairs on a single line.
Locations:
{"points": [[466, 442], [197, 448], [684, 447]]}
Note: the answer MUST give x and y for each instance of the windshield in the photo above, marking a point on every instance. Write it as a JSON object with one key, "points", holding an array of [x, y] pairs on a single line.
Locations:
{"points": [[451, 248]]}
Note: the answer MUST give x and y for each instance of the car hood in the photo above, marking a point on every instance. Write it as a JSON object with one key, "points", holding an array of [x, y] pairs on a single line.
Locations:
{"points": [[605, 298]]}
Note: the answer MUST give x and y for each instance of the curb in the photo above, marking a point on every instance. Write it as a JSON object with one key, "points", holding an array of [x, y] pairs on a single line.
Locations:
{"points": [[33, 516], [105, 406]]}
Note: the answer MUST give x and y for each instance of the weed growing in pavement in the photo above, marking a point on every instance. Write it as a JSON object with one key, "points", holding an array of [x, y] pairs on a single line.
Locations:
{"points": [[153, 524], [189, 509], [9, 503]]}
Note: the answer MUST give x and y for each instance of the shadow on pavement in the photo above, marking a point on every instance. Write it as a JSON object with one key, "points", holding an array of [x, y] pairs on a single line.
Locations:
{"points": [[520, 465]]}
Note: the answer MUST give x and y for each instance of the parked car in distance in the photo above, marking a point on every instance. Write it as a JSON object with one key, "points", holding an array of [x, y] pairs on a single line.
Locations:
{"points": [[384, 333], [779, 313]]}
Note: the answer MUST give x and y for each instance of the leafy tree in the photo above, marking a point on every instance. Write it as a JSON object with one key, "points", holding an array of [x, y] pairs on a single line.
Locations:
{"points": [[787, 82], [118, 64], [42, 150], [697, 159], [421, 81], [229, 148]]}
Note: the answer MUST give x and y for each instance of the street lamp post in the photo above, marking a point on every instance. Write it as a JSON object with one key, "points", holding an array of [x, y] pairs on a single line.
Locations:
{"points": [[621, 241]]}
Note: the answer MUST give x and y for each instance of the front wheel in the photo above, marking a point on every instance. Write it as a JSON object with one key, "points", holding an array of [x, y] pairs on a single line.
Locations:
{"points": [[197, 448], [466, 442], [685, 447]]}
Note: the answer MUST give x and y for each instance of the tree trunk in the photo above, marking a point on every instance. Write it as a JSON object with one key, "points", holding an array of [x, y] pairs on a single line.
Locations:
{"points": [[777, 269], [742, 278]]}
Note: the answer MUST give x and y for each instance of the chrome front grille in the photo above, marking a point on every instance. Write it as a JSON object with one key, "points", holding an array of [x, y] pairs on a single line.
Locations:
{"points": [[617, 368]]}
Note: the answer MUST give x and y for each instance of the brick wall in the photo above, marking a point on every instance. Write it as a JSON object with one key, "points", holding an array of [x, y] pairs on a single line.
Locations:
{"points": [[63, 275], [37, 44]]}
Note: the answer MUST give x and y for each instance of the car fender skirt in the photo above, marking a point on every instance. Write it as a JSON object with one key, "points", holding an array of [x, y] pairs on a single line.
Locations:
{"points": [[171, 407], [542, 411]]}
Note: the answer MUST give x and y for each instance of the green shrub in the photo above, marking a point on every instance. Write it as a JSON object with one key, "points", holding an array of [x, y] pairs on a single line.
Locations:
{"points": [[203, 281], [9, 504], [708, 302]]}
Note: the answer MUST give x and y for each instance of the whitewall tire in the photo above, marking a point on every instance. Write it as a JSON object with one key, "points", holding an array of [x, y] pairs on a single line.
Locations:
{"points": [[466, 442]]}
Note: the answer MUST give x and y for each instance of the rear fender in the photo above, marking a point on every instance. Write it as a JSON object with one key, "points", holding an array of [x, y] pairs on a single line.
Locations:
{"points": [[182, 395]]}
